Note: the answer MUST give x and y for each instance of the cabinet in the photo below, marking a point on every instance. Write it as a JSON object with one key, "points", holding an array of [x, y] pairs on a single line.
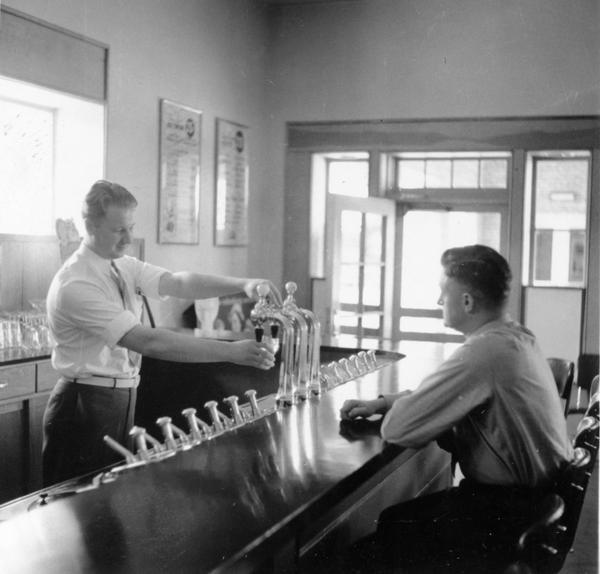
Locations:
{"points": [[24, 391]]}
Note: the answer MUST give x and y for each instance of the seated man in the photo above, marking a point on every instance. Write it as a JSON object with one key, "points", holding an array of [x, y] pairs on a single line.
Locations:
{"points": [[493, 404]]}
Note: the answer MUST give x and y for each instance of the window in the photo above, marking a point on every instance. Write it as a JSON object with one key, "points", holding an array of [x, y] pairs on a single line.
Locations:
{"points": [[556, 229], [452, 170], [348, 174], [51, 150], [26, 166]]}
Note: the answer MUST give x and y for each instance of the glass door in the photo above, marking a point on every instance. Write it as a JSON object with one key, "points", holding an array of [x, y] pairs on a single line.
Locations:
{"points": [[424, 234], [360, 257]]}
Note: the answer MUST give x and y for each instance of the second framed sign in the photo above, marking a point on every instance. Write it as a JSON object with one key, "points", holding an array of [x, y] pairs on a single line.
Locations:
{"points": [[231, 177]]}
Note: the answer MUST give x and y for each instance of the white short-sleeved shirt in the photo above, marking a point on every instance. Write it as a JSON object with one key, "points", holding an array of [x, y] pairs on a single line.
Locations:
{"points": [[498, 396], [87, 317]]}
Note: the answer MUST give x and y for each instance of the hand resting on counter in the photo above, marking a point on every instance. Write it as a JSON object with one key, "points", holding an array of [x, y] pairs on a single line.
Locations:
{"points": [[354, 408]]}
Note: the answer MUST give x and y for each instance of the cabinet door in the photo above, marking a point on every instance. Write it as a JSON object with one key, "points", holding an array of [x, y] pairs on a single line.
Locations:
{"points": [[13, 450], [36, 407]]}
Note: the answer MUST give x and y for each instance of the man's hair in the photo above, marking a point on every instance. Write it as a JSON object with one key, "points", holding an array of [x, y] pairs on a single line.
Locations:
{"points": [[101, 195], [482, 270]]}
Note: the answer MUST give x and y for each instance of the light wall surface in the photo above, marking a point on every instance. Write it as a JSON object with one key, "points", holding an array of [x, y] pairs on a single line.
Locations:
{"points": [[351, 60], [208, 55]]}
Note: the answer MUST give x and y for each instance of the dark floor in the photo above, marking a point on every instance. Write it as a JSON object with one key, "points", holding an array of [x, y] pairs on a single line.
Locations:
{"points": [[583, 558]]}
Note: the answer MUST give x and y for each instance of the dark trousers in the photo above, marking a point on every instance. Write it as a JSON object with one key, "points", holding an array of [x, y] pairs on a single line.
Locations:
{"points": [[472, 528], [75, 421]]}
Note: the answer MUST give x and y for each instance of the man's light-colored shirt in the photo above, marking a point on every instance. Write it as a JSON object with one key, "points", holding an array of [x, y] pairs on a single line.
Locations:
{"points": [[87, 315], [499, 397]]}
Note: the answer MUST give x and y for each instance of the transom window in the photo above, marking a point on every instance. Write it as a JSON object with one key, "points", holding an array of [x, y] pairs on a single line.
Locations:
{"points": [[348, 174], [452, 170]]}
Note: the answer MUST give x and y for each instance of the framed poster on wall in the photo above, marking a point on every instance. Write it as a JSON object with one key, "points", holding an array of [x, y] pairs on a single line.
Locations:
{"points": [[231, 183], [179, 178]]}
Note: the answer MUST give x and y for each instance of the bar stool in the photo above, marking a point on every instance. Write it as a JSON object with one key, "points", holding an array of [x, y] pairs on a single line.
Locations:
{"points": [[588, 365], [564, 373], [538, 546], [592, 409]]}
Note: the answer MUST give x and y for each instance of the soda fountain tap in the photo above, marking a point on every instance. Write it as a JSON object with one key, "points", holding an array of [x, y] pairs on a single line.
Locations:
{"points": [[197, 425], [264, 313], [237, 414], [301, 344], [220, 421], [313, 350]]}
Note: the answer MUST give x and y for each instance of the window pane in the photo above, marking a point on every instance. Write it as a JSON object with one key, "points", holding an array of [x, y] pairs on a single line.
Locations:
{"points": [[345, 319], [349, 284], [437, 173], [348, 178], [494, 173], [426, 235], [424, 325], [26, 159], [543, 255], [576, 257], [371, 321], [372, 285], [411, 174], [373, 238], [465, 173], [350, 236]]}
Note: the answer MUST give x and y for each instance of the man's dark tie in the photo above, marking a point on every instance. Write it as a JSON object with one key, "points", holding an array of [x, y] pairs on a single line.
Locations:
{"points": [[134, 358]]}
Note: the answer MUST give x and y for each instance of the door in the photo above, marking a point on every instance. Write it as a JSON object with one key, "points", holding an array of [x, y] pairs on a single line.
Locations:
{"points": [[355, 299], [424, 234]]}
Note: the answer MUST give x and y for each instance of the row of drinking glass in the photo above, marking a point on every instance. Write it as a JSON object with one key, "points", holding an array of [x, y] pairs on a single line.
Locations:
{"points": [[24, 330]]}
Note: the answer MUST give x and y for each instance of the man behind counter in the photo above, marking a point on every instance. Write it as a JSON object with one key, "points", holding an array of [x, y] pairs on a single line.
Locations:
{"points": [[493, 404], [94, 306]]}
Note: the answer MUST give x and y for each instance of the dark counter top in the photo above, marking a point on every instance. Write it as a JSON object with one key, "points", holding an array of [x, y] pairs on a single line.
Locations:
{"points": [[225, 504]]}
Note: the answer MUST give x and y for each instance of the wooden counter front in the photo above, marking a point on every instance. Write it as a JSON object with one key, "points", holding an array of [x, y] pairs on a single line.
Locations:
{"points": [[285, 491]]}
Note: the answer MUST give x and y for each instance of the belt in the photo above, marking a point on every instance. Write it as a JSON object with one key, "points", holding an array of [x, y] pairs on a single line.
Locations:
{"points": [[107, 382]]}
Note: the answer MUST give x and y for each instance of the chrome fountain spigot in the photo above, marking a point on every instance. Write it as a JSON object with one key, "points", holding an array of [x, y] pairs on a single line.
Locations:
{"points": [[264, 313], [197, 425], [169, 431], [220, 421], [125, 453], [238, 416], [313, 350], [138, 435], [344, 365], [355, 365], [364, 361], [251, 394]]}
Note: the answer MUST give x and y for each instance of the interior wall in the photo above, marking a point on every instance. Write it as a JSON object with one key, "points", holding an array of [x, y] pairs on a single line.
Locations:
{"points": [[421, 59], [209, 55]]}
